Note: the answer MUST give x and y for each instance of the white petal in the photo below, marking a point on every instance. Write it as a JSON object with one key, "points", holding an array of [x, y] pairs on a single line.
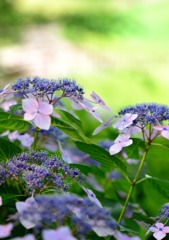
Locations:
{"points": [[30, 105], [115, 148], [42, 121], [45, 108]]}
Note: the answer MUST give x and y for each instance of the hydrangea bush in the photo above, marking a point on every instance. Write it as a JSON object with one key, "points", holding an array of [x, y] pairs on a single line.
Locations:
{"points": [[59, 181]]}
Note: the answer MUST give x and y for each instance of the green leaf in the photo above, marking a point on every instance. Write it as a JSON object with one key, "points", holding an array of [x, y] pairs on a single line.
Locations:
{"points": [[16, 107], [83, 168], [161, 185], [70, 130], [13, 122], [133, 150], [107, 161], [143, 218], [7, 149], [73, 120], [159, 152]]}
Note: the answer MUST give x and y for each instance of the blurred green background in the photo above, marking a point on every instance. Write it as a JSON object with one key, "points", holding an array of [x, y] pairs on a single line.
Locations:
{"points": [[117, 48]]}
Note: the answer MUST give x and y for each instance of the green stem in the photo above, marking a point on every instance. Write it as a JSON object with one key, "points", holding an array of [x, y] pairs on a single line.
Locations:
{"points": [[133, 184], [35, 138]]}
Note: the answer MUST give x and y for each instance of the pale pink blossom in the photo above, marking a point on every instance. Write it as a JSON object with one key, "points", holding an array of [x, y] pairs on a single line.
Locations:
{"points": [[164, 131], [121, 236], [99, 101], [26, 140], [5, 230], [21, 207], [159, 231], [104, 125], [38, 112], [125, 121], [5, 89], [0, 201], [92, 196], [26, 237], [123, 140], [62, 233]]}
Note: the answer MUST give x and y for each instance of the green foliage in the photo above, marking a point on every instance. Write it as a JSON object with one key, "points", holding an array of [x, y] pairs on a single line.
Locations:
{"points": [[73, 130], [9, 121], [7, 149], [102, 156], [161, 185]]}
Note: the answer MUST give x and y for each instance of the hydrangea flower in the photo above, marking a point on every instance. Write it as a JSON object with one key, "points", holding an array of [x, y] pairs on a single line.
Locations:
{"points": [[26, 237], [164, 131], [58, 210], [148, 113], [92, 196], [38, 171], [159, 231], [61, 233], [123, 140], [99, 101], [23, 206], [125, 121], [38, 112], [5, 230], [104, 125]]}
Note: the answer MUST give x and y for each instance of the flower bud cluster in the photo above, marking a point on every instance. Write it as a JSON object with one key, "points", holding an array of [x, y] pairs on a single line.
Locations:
{"points": [[148, 113], [43, 88], [39, 171]]}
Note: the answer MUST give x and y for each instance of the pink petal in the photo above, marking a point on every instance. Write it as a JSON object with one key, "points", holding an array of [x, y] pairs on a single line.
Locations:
{"points": [[45, 108], [159, 225], [29, 116], [161, 128], [115, 148], [0, 201], [95, 114], [127, 143], [153, 229], [42, 121], [98, 100], [62, 233], [166, 229], [122, 138], [103, 125], [26, 237], [159, 235], [92, 196], [125, 121], [158, 128], [5, 230], [165, 134], [30, 105]]}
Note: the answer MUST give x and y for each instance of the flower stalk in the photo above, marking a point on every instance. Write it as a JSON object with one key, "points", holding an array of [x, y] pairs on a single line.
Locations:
{"points": [[133, 183]]}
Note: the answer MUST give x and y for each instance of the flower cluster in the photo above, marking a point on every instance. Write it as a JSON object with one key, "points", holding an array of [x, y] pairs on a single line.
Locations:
{"points": [[148, 113], [58, 210], [38, 171], [43, 88]]}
